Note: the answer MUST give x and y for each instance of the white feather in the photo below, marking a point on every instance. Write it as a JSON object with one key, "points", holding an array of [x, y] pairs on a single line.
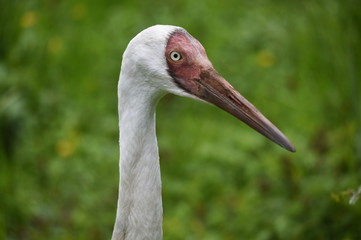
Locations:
{"points": [[143, 80]]}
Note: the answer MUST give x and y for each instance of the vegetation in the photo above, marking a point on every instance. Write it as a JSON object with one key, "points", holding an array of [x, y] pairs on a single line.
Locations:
{"points": [[297, 61]]}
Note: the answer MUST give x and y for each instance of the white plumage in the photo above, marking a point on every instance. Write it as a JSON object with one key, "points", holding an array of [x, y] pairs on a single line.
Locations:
{"points": [[147, 73]]}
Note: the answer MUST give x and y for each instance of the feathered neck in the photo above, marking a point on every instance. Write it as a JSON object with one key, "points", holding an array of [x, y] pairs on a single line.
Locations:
{"points": [[139, 212]]}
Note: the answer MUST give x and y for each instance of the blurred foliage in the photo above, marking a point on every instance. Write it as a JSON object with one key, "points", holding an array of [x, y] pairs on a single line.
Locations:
{"points": [[297, 61]]}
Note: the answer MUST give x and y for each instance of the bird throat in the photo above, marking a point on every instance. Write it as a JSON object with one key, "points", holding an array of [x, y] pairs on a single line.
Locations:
{"points": [[139, 212]]}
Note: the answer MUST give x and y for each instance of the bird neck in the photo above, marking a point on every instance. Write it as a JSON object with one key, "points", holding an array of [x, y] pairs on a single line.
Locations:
{"points": [[139, 212]]}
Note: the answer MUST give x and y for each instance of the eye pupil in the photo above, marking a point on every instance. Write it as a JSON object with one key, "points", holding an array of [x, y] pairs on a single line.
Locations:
{"points": [[175, 56]]}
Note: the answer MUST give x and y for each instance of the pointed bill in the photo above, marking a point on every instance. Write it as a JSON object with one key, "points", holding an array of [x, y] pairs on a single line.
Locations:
{"points": [[192, 71], [213, 88]]}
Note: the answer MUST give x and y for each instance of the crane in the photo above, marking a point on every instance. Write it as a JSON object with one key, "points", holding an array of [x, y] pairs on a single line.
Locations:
{"points": [[159, 60]]}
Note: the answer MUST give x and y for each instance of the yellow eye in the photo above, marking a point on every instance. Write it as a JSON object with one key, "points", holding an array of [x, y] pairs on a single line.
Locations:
{"points": [[175, 56]]}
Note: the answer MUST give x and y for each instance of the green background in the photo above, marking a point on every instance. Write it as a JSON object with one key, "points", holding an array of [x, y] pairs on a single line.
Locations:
{"points": [[298, 62]]}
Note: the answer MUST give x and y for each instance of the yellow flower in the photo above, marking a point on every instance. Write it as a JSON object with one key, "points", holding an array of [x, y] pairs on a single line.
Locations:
{"points": [[65, 148], [55, 44], [335, 197], [78, 11], [265, 58], [29, 19]]}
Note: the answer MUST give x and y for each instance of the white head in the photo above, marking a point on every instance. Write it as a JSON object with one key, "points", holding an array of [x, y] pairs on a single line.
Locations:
{"points": [[164, 59], [144, 63]]}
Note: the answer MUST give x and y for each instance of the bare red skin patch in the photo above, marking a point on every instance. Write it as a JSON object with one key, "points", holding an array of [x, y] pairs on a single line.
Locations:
{"points": [[193, 60], [194, 73]]}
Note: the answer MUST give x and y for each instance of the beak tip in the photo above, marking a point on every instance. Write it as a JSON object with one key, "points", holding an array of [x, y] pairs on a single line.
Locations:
{"points": [[292, 149], [289, 147]]}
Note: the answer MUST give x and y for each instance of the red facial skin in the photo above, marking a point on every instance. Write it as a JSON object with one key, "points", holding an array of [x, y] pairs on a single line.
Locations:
{"points": [[194, 60], [194, 73]]}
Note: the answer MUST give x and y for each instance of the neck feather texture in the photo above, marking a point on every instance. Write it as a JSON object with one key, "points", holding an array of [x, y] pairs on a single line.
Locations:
{"points": [[139, 212]]}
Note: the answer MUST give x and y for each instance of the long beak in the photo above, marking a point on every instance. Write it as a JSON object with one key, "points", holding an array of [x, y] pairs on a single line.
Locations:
{"points": [[213, 88]]}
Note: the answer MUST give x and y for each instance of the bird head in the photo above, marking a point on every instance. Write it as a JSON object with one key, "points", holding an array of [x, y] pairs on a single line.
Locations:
{"points": [[165, 59]]}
